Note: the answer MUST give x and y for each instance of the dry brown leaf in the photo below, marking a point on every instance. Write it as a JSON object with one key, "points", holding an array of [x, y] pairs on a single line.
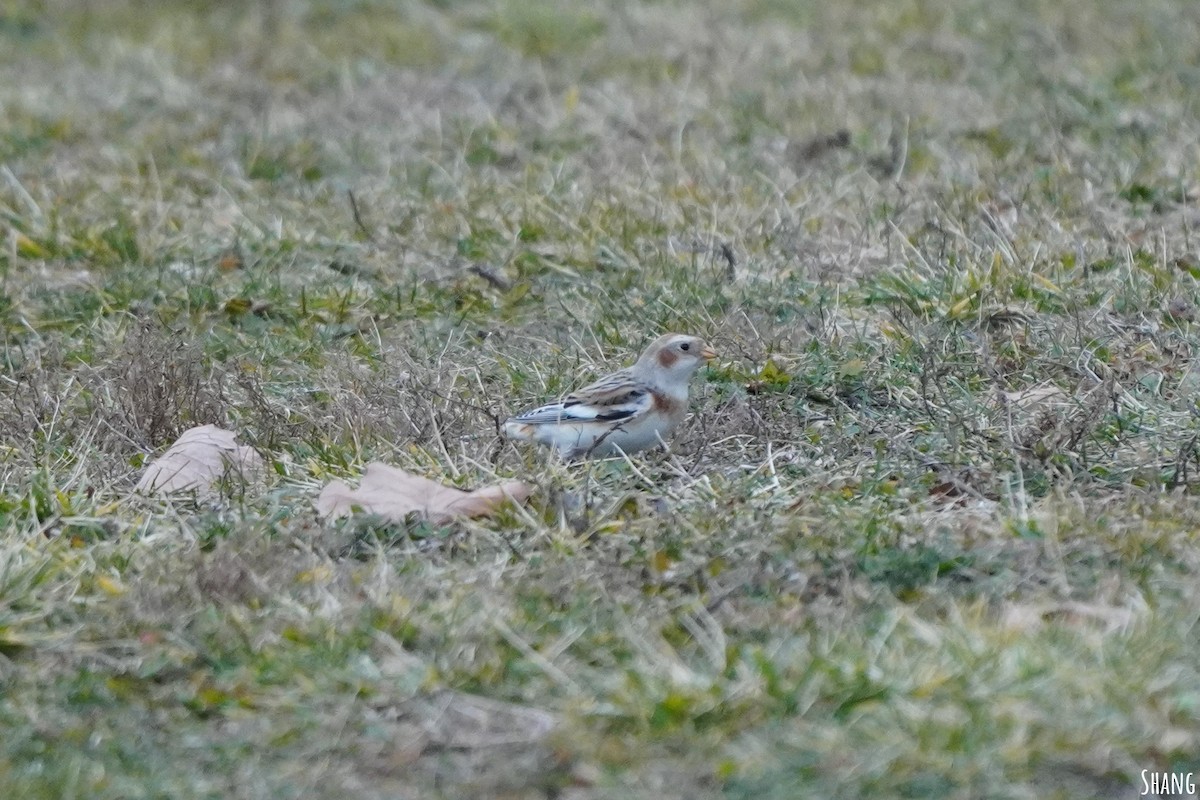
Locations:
{"points": [[393, 493], [198, 460]]}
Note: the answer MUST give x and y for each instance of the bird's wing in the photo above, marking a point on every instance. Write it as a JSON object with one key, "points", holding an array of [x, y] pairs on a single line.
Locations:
{"points": [[616, 398]]}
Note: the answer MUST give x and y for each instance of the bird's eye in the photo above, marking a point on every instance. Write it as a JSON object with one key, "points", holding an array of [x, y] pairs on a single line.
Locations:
{"points": [[685, 346]]}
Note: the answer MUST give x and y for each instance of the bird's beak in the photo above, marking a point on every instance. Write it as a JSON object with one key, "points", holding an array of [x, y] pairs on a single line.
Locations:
{"points": [[708, 354]]}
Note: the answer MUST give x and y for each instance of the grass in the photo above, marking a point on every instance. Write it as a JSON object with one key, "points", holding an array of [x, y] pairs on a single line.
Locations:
{"points": [[930, 531]]}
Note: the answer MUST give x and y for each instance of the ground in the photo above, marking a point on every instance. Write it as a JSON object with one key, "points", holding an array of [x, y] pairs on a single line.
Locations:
{"points": [[928, 532]]}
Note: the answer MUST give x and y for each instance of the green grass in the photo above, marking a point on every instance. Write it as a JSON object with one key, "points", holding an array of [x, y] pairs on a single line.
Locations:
{"points": [[930, 531]]}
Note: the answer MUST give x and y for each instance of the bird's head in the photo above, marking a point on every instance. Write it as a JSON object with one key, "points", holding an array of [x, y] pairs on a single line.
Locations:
{"points": [[673, 358]]}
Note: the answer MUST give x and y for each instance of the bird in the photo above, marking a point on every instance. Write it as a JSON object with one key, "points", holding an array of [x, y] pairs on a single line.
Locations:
{"points": [[627, 411]]}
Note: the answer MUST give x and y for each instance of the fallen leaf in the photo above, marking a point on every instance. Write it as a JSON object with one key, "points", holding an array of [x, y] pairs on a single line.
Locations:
{"points": [[393, 493], [198, 460], [230, 260]]}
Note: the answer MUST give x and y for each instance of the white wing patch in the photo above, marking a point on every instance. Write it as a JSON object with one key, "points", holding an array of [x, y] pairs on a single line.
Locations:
{"points": [[574, 409]]}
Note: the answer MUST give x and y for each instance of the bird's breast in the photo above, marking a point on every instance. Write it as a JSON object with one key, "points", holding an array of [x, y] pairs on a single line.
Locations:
{"points": [[673, 408]]}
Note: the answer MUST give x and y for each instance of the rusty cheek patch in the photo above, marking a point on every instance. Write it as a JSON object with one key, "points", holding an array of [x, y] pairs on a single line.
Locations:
{"points": [[667, 358]]}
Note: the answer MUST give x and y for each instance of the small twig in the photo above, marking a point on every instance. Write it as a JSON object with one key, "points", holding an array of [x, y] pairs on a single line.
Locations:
{"points": [[358, 220], [351, 270], [716, 602], [899, 152], [1180, 476], [600, 440], [730, 261], [495, 418], [491, 276]]}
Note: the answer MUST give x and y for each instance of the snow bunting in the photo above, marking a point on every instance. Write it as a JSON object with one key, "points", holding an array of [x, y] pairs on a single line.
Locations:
{"points": [[627, 411]]}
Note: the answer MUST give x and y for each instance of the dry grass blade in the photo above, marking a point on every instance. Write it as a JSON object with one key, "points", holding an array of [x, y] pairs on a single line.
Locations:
{"points": [[460, 720], [198, 461], [1112, 619], [393, 493], [1036, 397]]}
